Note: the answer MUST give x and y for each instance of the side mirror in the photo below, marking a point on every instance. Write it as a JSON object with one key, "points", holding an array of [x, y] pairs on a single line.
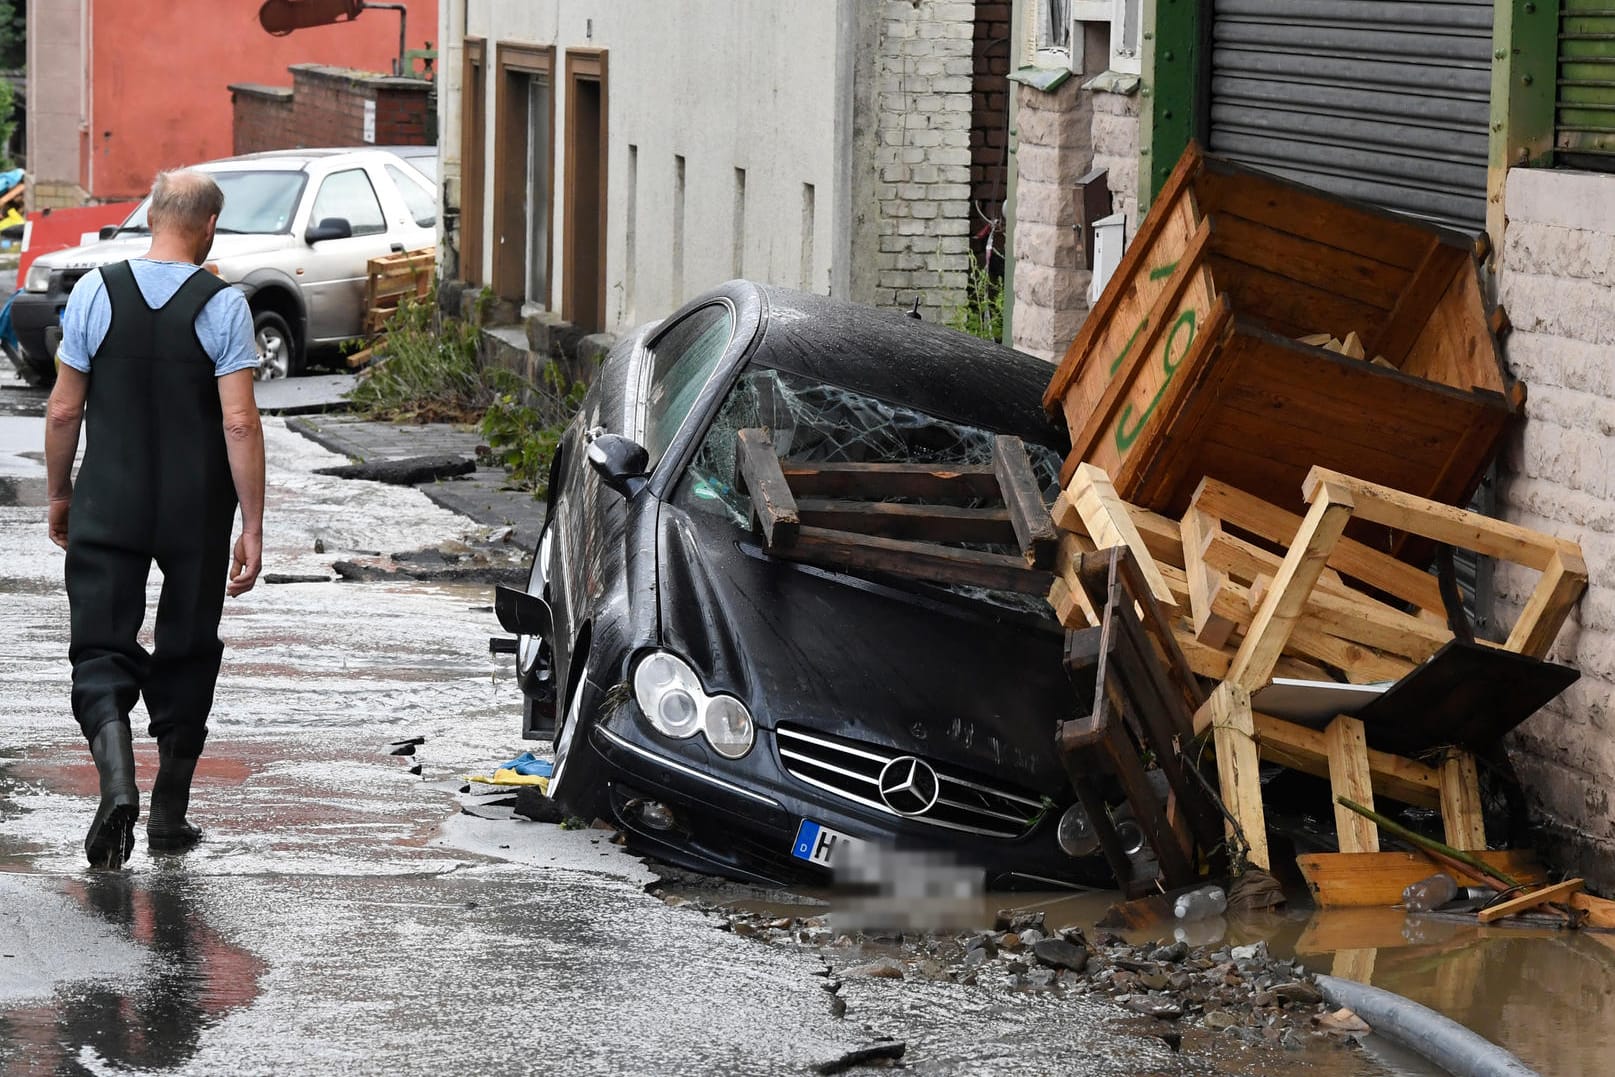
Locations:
{"points": [[107, 231], [328, 228], [622, 463], [522, 613]]}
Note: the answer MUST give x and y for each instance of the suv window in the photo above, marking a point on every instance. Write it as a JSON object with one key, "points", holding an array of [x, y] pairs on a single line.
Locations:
{"points": [[422, 206], [349, 194], [681, 362]]}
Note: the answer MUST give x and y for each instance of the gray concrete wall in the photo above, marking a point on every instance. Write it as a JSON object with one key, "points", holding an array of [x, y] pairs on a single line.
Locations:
{"points": [[1556, 279], [57, 102]]}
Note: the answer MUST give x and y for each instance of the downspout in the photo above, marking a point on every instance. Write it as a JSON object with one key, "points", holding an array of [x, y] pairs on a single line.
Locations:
{"points": [[451, 21]]}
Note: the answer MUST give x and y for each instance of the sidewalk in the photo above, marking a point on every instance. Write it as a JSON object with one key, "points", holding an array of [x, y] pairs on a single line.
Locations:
{"points": [[482, 495]]}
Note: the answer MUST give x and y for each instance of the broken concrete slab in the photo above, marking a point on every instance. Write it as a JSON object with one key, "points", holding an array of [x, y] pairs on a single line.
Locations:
{"points": [[404, 472], [294, 396]]}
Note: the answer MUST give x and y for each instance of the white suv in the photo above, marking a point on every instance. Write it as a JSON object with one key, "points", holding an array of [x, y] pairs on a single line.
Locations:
{"points": [[297, 229]]}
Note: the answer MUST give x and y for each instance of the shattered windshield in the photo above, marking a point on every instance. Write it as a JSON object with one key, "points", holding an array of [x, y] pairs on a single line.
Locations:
{"points": [[814, 422]]}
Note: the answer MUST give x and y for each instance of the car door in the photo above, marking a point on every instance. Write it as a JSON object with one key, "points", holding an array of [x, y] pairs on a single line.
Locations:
{"points": [[415, 220], [337, 268]]}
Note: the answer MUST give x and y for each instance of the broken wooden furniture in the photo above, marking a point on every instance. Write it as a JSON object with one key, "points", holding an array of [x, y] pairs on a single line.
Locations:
{"points": [[1189, 364], [1144, 697], [934, 522]]}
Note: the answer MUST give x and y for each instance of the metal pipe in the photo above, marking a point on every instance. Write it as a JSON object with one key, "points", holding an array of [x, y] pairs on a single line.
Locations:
{"points": [[403, 29]]}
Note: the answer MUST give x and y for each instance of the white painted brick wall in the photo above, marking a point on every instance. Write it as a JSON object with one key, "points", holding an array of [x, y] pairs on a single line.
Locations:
{"points": [[1558, 475], [923, 138]]}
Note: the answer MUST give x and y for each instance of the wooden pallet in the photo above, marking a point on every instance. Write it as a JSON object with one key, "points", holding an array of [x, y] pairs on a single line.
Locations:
{"points": [[391, 279], [916, 520]]}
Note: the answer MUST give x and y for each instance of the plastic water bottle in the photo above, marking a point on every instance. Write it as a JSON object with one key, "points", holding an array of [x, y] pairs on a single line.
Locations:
{"points": [[1201, 903], [1431, 893]]}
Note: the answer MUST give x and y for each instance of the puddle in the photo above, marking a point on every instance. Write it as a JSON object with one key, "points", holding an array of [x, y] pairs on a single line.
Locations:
{"points": [[24, 492]]}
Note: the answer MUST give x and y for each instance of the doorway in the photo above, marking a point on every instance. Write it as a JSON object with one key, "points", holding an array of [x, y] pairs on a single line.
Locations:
{"points": [[473, 165], [583, 289], [523, 162]]}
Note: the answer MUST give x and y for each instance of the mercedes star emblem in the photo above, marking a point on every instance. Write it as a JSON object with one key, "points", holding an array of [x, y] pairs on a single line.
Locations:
{"points": [[909, 786]]}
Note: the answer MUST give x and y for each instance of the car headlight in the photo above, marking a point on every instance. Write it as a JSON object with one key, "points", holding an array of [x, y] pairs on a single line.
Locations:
{"points": [[670, 694], [38, 279]]}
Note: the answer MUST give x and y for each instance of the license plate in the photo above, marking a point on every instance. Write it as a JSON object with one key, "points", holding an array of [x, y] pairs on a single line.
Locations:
{"points": [[817, 844]]}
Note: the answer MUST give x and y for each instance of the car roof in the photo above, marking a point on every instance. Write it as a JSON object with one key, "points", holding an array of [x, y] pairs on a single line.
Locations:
{"points": [[902, 359], [296, 160]]}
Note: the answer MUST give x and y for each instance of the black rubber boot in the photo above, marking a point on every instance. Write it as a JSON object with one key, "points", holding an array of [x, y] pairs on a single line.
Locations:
{"points": [[166, 828], [112, 835]]}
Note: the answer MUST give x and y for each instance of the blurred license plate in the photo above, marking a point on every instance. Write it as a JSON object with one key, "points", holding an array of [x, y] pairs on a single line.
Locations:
{"points": [[817, 844]]}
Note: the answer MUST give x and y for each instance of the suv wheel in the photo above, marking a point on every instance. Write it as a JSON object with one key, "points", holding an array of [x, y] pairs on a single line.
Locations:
{"points": [[276, 350]]}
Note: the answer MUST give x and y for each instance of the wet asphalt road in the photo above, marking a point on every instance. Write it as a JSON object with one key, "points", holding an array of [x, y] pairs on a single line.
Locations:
{"points": [[343, 915]]}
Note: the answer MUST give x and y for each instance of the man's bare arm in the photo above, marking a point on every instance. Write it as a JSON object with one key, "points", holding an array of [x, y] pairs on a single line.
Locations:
{"points": [[63, 419], [244, 441]]}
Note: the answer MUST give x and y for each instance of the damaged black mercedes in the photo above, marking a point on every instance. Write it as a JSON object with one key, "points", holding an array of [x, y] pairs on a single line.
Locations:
{"points": [[742, 715]]}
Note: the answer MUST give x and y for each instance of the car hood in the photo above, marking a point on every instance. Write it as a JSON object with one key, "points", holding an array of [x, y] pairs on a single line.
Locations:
{"points": [[106, 251], [944, 678]]}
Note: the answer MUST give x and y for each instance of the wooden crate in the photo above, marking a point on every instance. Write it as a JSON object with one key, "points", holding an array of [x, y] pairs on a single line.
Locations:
{"points": [[1190, 366], [392, 278]]}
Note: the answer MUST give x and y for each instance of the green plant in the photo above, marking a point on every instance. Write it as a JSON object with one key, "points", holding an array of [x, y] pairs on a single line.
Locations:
{"points": [[982, 312], [524, 423], [426, 369]]}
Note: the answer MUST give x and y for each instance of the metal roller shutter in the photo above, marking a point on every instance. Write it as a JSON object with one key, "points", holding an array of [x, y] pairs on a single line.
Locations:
{"points": [[1585, 117], [1379, 100]]}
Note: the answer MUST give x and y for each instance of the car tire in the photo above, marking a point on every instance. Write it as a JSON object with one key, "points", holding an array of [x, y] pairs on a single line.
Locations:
{"points": [[33, 375], [277, 349]]}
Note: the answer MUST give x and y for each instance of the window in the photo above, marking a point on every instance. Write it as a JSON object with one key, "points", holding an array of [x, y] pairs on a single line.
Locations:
{"points": [[681, 363], [349, 195], [422, 206], [1125, 53], [1053, 32], [254, 202]]}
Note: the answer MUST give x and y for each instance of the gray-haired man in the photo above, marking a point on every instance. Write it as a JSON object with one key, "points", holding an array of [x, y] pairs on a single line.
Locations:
{"points": [[157, 358]]}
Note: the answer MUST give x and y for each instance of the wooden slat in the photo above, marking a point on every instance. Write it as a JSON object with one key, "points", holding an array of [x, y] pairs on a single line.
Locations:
{"points": [[1066, 610], [1034, 528], [1526, 902], [1420, 296], [773, 508], [1350, 776], [1210, 627], [1461, 815], [903, 520], [1556, 594], [1233, 731], [1319, 265], [923, 561], [1349, 880], [1307, 750], [1109, 523], [1161, 535], [1443, 523], [930, 482], [1274, 622], [1600, 911], [1359, 664]]}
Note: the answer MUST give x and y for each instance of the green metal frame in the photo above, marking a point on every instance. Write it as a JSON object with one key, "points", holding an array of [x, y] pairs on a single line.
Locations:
{"points": [[1174, 45], [1525, 68]]}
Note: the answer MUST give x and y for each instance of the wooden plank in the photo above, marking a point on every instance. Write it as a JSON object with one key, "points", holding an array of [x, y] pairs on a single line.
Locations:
{"points": [[1362, 563], [1455, 346], [1461, 816], [1034, 528], [1443, 523], [1066, 610], [1353, 880], [1556, 594], [924, 561], [1290, 307], [1066, 559], [773, 508], [1161, 535], [1109, 523], [1600, 911], [929, 482], [1350, 776], [1419, 297], [903, 520], [1233, 731], [1210, 627], [1358, 664], [1320, 265], [1526, 902], [1274, 622], [1307, 750], [1374, 624], [1247, 562]]}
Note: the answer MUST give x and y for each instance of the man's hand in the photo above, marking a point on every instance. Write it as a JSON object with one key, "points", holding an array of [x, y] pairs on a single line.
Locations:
{"points": [[244, 565], [58, 519]]}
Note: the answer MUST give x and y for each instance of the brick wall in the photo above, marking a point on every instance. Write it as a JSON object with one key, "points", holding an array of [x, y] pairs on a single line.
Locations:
{"points": [[326, 107], [925, 83], [989, 125], [1557, 272]]}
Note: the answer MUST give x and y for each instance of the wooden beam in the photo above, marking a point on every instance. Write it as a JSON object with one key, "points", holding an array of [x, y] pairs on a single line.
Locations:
{"points": [[1109, 523], [1354, 880], [1066, 609], [1526, 902], [1034, 529], [1233, 732], [1556, 594], [1160, 534], [1443, 523], [1461, 816], [1270, 631], [915, 560], [1424, 290], [1349, 776], [773, 507], [1307, 750], [1197, 529], [907, 520], [930, 482]]}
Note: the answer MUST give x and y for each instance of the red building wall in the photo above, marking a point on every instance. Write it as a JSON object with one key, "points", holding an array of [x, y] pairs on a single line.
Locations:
{"points": [[160, 73]]}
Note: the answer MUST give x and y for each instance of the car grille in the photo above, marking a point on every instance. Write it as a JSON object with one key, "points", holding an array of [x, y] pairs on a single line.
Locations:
{"points": [[851, 769]]}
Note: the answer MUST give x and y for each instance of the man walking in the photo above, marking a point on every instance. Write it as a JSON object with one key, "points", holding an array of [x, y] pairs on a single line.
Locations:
{"points": [[157, 356]]}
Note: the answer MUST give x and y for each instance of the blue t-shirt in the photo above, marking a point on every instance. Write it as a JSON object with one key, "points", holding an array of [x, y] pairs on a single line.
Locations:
{"points": [[224, 327]]}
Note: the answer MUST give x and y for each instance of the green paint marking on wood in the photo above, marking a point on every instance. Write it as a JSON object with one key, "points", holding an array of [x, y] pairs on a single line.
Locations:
{"points": [[1162, 272], [1117, 365], [1172, 357]]}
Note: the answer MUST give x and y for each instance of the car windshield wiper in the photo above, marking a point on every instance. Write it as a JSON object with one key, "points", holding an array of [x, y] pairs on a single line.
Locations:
{"points": [[137, 229], [223, 231]]}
